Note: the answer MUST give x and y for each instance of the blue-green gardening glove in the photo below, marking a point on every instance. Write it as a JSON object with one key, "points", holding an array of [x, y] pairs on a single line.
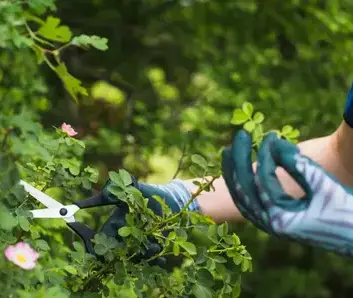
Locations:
{"points": [[323, 218], [175, 194]]}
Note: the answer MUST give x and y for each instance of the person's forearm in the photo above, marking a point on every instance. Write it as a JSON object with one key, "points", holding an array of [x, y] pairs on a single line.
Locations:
{"points": [[219, 205]]}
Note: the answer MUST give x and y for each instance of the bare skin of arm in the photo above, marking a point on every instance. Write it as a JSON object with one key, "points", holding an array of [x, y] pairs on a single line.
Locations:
{"points": [[332, 152]]}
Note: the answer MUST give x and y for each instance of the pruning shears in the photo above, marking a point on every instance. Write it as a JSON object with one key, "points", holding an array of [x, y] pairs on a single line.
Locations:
{"points": [[57, 210]]}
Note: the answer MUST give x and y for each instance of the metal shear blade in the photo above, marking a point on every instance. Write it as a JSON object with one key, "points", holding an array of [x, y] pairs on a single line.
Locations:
{"points": [[41, 196], [55, 209], [65, 212]]}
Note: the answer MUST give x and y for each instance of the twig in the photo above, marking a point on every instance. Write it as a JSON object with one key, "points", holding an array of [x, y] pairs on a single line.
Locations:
{"points": [[193, 197], [199, 191], [183, 154], [88, 280], [4, 140]]}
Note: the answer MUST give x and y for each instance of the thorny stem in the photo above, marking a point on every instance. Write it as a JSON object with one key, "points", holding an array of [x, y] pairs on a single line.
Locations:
{"points": [[159, 255], [222, 250], [183, 154], [6, 135], [194, 195], [199, 191], [93, 276]]}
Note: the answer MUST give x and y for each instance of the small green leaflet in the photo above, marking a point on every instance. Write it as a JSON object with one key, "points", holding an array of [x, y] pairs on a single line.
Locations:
{"points": [[239, 117], [189, 247], [72, 84], [85, 41], [40, 6], [199, 160], [24, 223], [125, 176], [124, 231], [52, 31], [201, 291]]}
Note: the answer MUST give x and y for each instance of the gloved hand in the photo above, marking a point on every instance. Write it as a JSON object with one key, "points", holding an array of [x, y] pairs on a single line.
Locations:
{"points": [[323, 218], [175, 194]]}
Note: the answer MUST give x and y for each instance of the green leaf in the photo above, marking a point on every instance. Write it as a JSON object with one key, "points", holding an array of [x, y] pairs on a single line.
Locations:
{"points": [[245, 265], [124, 231], [40, 6], [189, 247], [204, 277], [78, 246], [127, 293], [7, 221], [176, 249], [293, 134], [165, 208], [249, 126], [71, 269], [258, 117], [236, 239], [201, 291], [239, 117], [130, 219], [111, 243], [85, 41], [24, 223], [212, 233], [100, 238], [55, 192], [286, 129], [42, 245], [72, 85], [236, 290], [237, 258], [248, 109], [117, 192], [52, 31], [100, 249], [220, 259], [222, 230], [199, 160], [117, 179], [72, 164], [211, 265], [197, 171], [125, 177], [137, 233], [171, 235]]}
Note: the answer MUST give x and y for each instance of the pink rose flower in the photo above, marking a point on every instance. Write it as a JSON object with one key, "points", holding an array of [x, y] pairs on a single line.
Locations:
{"points": [[68, 129], [22, 255]]}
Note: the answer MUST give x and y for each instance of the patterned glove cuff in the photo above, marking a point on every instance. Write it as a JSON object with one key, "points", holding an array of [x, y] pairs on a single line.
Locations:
{"points": [[182, 194]]}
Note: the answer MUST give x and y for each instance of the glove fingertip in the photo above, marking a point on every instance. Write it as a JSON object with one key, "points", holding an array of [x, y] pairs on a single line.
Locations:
{"points": [[242, 138], [282, 147]]}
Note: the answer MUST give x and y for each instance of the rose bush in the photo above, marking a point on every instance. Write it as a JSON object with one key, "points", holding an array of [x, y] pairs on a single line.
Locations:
{"points": [[42, 257]]}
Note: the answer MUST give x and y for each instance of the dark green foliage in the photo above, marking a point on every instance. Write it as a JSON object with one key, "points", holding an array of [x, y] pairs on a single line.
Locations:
{"points": [[177, 77]]}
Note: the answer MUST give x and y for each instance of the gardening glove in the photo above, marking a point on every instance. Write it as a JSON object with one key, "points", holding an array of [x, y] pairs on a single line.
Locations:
{"points": [[323, 218], [348, 109], [175, 194]]}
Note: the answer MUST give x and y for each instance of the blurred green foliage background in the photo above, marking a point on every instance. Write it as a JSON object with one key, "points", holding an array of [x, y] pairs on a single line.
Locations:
{"points": [[174, 72]]}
